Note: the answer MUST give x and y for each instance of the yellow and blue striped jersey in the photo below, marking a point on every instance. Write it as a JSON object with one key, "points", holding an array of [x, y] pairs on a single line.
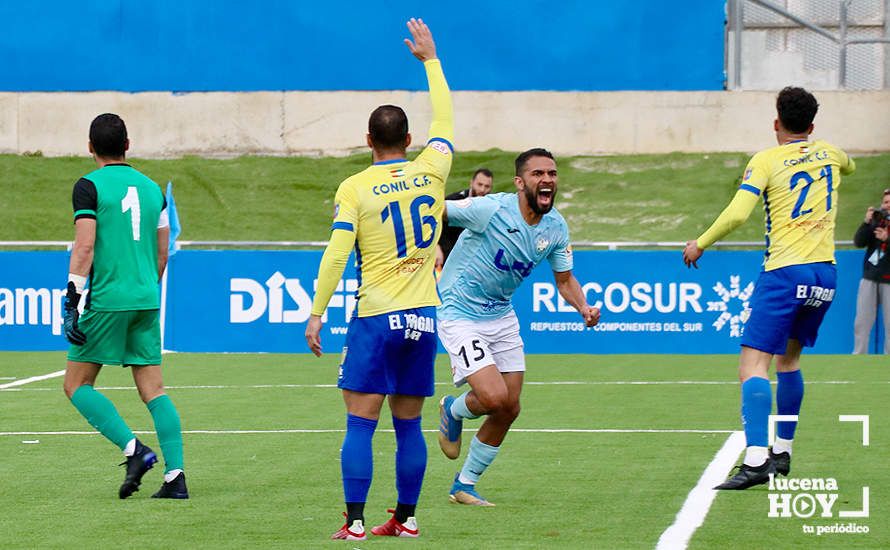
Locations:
{"points": [[798, 183], [391, 213]]}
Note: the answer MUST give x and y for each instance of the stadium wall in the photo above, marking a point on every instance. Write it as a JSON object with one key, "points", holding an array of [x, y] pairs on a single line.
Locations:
{"points": [[163, 124]]}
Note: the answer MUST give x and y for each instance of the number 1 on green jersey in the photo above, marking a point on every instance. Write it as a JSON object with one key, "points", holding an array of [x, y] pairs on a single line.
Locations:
{"points": [[131, 202]]}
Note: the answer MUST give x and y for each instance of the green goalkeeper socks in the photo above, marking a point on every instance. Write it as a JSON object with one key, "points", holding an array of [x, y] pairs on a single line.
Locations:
{"points": [[169, 431], [101, 414]]}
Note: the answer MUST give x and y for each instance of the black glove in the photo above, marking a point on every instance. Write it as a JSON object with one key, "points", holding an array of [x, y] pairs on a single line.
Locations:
{"points": [[72, 333]]}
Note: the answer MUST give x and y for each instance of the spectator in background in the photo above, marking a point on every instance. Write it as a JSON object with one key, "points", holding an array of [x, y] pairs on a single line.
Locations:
{"points": [[874, 288], [480, 185]]}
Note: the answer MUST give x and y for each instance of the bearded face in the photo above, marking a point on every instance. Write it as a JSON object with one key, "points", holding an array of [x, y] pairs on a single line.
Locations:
{"points": [[540, 199], [538, 184]]}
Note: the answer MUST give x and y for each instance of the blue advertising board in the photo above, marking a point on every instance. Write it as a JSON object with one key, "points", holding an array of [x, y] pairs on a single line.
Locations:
{"points": [[256, 301], [259, 301], [231, 45], [32, 287], [652, 303]]}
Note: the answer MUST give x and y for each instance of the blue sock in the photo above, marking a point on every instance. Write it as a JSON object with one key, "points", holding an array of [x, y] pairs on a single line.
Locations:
{"points": [[410, 459], [459, 409], [357, 458], [789, 396], [757, 402], [479, 458]]}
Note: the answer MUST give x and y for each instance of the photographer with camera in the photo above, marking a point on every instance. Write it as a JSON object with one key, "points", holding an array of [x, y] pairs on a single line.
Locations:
{"points": [[874, 288]]}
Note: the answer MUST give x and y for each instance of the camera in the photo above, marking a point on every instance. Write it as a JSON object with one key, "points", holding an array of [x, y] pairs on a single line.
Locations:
{"points": [[880, 218]]}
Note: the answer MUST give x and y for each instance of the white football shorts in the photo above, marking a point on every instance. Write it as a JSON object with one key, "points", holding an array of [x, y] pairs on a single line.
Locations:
{"points": [[473, 345]]}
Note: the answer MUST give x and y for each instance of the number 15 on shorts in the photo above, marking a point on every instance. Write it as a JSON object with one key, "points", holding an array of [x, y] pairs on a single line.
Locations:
{"points": [[475, 354]]}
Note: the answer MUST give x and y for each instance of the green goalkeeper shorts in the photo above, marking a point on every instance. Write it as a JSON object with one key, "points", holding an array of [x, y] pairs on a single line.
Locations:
{"points": [[119, 338]]}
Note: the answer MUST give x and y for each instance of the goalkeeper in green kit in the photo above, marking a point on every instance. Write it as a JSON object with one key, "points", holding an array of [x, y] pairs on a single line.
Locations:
{"points": [[121, 235]]}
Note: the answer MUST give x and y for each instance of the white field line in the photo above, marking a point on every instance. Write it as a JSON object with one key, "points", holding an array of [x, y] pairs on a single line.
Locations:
{"points": [[24, 381], [9, 387], [340, 430], [698, 502], [661, 382]]}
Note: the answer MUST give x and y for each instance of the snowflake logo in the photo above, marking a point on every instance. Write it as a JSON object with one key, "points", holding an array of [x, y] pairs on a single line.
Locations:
{"points": [[733, 306]]}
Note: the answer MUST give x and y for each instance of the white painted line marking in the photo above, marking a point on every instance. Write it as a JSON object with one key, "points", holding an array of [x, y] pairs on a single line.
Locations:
{"points": [[199, 387], [698, 502], [618, 431], [449, 384], [340, 430], [661, 383], [24, 381]]}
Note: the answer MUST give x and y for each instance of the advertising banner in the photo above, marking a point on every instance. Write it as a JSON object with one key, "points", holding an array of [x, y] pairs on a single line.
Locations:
{"points": [[259, 301], [652, 303], [251, 301], [32, 287]]}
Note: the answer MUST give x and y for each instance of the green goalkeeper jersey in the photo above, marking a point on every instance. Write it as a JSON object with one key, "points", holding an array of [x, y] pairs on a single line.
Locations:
{"points": [[127, 207]]}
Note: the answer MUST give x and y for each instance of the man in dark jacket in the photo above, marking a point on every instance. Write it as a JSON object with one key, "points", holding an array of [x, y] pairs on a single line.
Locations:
{"points": [[480, 185], [874, 288]]}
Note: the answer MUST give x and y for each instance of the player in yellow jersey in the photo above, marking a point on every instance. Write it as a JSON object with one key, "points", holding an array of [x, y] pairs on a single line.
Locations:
{"points": [[390, 213], [798, 182]]}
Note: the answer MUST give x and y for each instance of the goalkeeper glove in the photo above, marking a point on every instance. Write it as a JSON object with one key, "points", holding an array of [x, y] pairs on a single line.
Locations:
{"points": [[72, 333]]}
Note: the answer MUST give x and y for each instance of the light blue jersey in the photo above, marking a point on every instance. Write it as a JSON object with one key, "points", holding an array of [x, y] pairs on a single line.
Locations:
{"points": [[495, 253]]}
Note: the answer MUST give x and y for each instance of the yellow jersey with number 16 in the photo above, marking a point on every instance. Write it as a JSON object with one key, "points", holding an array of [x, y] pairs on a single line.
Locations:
{"points": [[396, 208], [391, 214]]}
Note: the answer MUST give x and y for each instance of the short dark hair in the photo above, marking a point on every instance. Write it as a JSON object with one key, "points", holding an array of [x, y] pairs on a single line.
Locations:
{"points": [[388, 127], [523, 157], [108, 134], [797, 108], [484, 171]]}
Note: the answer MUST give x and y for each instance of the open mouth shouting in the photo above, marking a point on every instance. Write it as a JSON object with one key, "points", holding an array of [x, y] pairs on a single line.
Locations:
{"points": [[544, 197]]}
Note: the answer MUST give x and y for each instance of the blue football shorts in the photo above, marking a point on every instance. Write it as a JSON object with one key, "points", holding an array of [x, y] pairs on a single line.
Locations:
{"points": [[392, 353], [789, 302]]}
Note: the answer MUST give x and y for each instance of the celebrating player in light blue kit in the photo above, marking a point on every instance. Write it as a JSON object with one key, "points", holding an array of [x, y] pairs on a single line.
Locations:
{"points": [[506, 236]]}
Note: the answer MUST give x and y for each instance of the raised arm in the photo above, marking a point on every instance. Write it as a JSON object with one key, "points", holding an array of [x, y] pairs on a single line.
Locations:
{"points": [[424, 48]]}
